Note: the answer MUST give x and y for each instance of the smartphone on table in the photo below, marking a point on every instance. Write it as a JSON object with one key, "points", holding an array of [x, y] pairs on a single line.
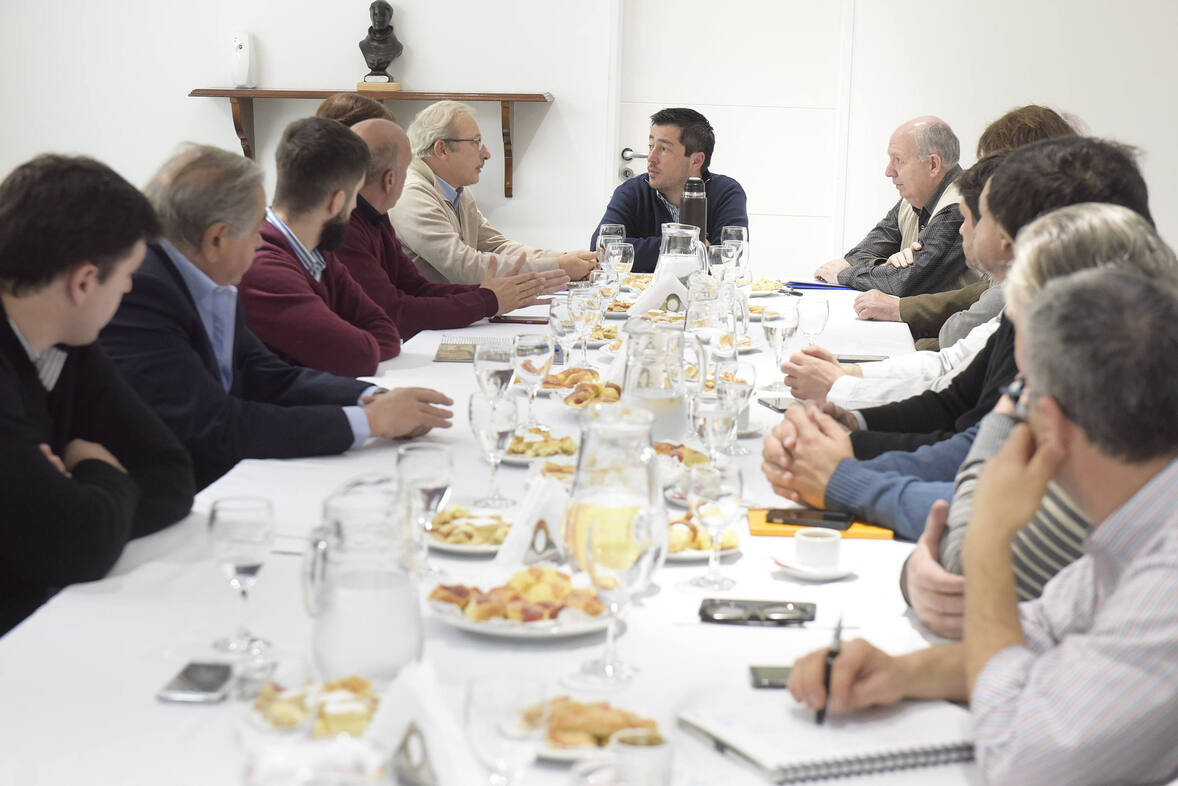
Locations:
{"points": [[770, 676], [199, 683], [809, 517]]}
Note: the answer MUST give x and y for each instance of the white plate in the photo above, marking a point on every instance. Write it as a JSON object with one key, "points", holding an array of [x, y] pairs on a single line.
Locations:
{"points": [[481, 550], [549, 752], [673, 496], [770, 293], [695, 555], [524, 461], [616, 315], [812, 574], [578, 625]]}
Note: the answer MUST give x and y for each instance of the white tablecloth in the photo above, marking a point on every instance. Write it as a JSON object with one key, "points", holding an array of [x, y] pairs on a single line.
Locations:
{"points": [[78, 679]]}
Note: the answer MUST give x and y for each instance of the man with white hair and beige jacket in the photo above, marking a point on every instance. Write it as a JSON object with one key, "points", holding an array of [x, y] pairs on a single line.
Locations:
{"points": [[436, 219]]}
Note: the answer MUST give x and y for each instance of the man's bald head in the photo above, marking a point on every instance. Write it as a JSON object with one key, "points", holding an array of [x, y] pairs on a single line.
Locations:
{"points": [[920, 152], [389, 146]]}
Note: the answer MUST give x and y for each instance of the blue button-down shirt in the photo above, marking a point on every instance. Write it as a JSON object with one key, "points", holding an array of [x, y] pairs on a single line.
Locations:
{"points": [[312, 260], [450, 192], [217, 307]]}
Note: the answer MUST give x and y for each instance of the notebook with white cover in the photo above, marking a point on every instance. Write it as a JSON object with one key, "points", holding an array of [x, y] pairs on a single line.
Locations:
{"points": [[779, 738]]}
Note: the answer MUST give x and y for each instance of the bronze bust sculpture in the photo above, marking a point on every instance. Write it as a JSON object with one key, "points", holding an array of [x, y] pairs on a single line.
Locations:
{"points": [[381, 46]]}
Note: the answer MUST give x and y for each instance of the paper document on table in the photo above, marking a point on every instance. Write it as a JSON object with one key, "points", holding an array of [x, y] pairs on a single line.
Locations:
{"points": [[786, 744], [460, 349]]}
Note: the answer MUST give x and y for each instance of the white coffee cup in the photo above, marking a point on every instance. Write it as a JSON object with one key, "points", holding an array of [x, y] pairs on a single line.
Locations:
{"points": [[817, 548]]}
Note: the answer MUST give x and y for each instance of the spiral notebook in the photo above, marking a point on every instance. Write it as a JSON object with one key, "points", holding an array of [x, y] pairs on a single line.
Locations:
{"points": [[766, 730]]}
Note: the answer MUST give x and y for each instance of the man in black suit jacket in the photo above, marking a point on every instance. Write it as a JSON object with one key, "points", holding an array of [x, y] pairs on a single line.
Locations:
{"points": [[179, 338], [84, 465]]}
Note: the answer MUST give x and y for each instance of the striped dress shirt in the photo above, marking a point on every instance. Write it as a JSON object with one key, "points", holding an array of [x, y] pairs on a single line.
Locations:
{"points": [[1092, 697]]}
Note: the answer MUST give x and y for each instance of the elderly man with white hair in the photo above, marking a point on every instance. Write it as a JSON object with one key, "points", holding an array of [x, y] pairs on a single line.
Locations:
{"points": [[436, 219], [922, 163]]}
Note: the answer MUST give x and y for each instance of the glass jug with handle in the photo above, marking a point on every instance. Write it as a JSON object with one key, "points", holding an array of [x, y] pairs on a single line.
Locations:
{"points": [[663, 365], [681, 253], [359, 588]]}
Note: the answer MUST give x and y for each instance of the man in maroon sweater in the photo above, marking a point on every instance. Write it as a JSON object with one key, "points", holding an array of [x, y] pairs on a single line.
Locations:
{"points": [[298, 298], [373, 255]]}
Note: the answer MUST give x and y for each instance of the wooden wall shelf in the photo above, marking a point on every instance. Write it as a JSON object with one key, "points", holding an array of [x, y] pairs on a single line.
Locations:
{"points": [[241, 103]]}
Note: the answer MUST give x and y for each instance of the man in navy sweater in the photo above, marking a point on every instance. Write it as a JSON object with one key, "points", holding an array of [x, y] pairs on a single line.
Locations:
{"points": [[681, 143]]}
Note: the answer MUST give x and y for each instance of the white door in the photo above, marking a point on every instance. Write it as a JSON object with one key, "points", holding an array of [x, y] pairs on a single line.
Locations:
{"points": [[768, 75]]}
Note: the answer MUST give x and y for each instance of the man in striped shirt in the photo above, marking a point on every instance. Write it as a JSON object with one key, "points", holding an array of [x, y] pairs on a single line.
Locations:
{"points": [[1080, 685]]}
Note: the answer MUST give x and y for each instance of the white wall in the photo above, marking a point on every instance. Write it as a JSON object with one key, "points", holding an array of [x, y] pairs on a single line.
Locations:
{"points": [[122, 95], [1110, 64]]}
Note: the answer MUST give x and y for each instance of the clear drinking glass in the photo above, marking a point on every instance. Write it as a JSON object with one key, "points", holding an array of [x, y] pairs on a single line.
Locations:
{"points": [[812, 316], [607, 235], [492, 368], [606, 284], [714, 495], [737, 381], [427, 472], [241, 531], [494, 717], [780, 322], [532, 355], [620, 259], [564, 329], [586, 307], [616, 553], [713, 419], [740, 237], [493, 421]]}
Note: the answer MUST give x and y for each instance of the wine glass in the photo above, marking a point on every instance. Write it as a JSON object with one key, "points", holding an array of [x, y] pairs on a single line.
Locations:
{"points": [[492, 368], [564, 329], [506, 719], [739, 238], [737, 380], [607, 235], [493, 421], [586, 308], [812, 316], [779, 322], [532, 357], [618, 549], [427, 472], [713, 418], [606, 284], [241, 531], [620, 259], [714, 495]]}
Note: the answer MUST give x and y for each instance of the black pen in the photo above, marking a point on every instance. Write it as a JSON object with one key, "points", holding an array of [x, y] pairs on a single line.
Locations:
{"points": [[831, 654]]}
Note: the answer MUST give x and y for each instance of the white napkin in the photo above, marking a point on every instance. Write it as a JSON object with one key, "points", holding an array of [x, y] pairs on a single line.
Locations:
{"points": [[545, 499], [655, 295], [414, 697], [615, 372]]}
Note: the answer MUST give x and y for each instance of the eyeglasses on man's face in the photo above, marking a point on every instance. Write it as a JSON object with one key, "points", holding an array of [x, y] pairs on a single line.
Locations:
{"points": [[478, 141]]}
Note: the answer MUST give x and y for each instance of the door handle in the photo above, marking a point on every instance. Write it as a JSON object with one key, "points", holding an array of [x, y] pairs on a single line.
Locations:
{"points": [[629, 155]]}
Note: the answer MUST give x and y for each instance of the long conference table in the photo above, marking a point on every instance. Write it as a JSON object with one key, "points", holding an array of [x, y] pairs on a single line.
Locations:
{"points": [[78, 679]]}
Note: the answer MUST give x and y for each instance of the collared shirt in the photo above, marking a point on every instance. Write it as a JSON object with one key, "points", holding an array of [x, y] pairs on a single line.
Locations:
{"points": [[450, 192], [312, 260], [923, 214], [217, 307], [48, 364], [674, 211], [1092, 697]]}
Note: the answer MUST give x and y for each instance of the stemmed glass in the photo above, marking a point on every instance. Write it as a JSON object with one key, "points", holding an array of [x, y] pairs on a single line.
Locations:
{"points": [[713, 418], [619, 259], [241, 531], [532, 357], [606, 284], [812, 316], [714, 494], [779, 322], [617, 552], [427, 472], [737, 238], [607, 235], [564, 329], [494, 715], [736, 381], [492, 368], [493, 421], [586, 308]]}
